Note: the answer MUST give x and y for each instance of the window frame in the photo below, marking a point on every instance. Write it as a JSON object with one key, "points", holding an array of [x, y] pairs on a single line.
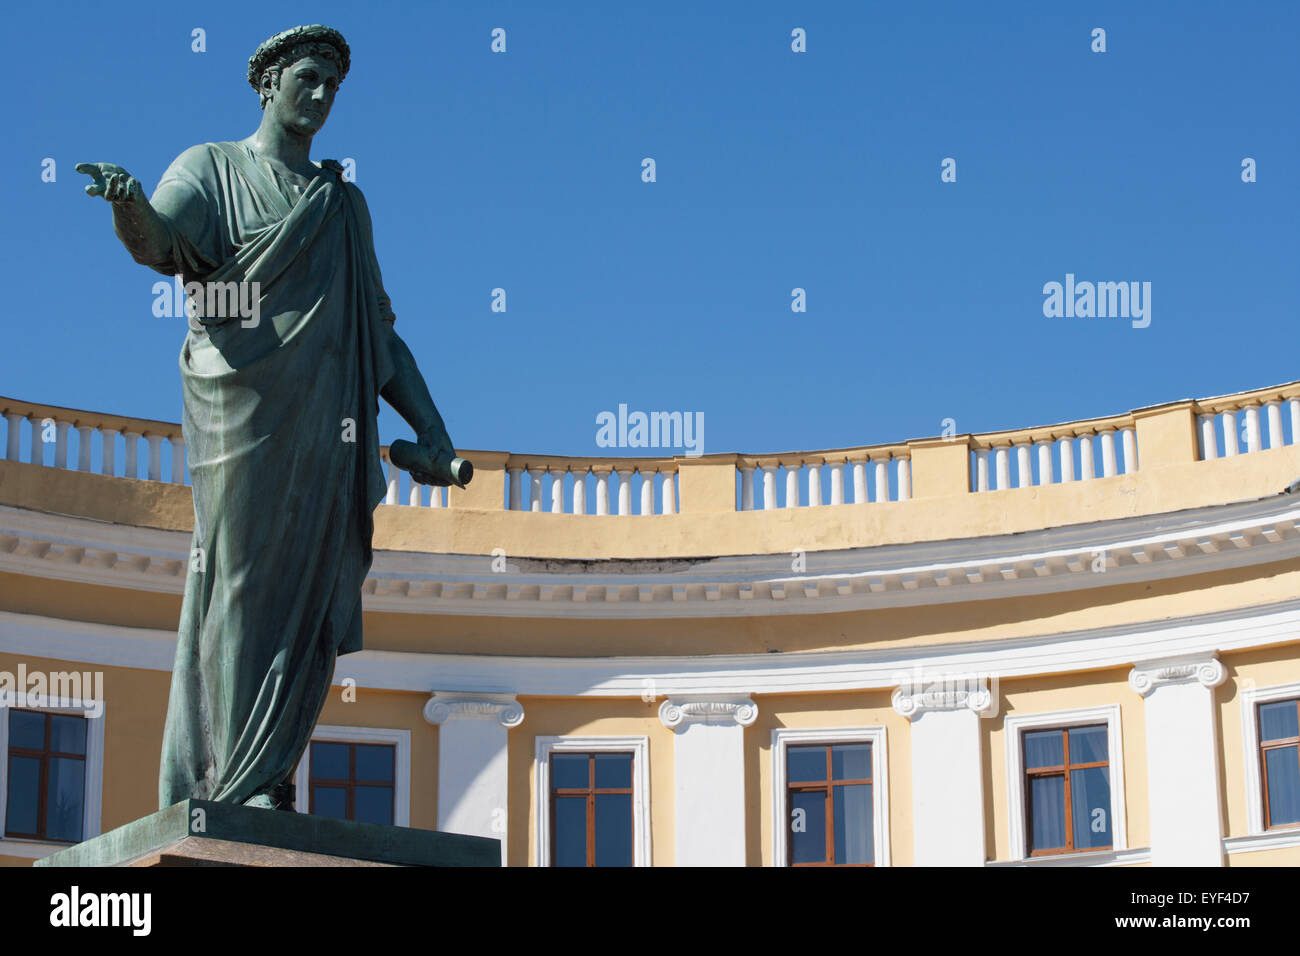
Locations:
{"points": [[783, 738], [1014, 727], [638, 747], [1253, 753], [92, 799], [335, 734]]}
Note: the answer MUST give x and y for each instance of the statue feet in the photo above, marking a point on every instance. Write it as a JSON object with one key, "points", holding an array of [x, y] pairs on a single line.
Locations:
{"points": [[279, 797]]}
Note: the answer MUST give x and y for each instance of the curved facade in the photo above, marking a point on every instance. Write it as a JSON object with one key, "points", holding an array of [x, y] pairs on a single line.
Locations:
{"points": [[1075, 644]]}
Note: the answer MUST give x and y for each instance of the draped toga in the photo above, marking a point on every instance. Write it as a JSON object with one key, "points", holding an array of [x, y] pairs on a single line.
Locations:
{"points": [[280, 430]]}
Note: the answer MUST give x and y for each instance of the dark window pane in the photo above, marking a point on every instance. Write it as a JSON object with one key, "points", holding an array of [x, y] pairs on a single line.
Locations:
{"points": [[1044, 748], [613, 828], [1278, 721], [1283, 785], [330, 802], [570, 772], [373, 805], [853, 824], [1090, 805], [613, 770], [1087, 744], [375, 762], [808, 826], [329, 761], [67, 734], [65, 794], [851, 761], [570, 831], [26, 729], [805, 763], [24, 794], [1047, 813]]}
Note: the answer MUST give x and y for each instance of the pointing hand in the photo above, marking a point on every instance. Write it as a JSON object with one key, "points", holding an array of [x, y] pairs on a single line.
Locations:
{"points": [[114, 183]]}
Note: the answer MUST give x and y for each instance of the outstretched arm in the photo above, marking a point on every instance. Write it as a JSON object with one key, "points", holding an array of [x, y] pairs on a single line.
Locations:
{"points": [[407, 392], [135, 221]]}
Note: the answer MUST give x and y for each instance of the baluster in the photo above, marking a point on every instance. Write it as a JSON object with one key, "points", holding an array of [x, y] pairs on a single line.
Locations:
{"points": [[837, 483], [15, 421], [108, 453], [1252, 428], [534, 489], [1003, 467], [647, 492], [1209, 446], [624, 490], [580, 491], [132, 458], [155, 457], [1230, 445], [1294, 405], [1274, 413], [413, 492], [1024, 470], [882, 477], [746, 487], [1130, 450], [1107, 453], [1087, 468], [61, 443], [557, 491], [792, 486], [516, 492], [769, 487], [859, 480], [669, 491], [83, 447], [981, 470], [435, 496], [1044, 462], [178, 457], [602, 490], [814, 484], [904, 479], [394, 478], [1067, 457]]}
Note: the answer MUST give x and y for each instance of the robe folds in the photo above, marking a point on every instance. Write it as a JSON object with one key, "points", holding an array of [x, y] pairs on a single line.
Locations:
{"points": [[280, 429]]}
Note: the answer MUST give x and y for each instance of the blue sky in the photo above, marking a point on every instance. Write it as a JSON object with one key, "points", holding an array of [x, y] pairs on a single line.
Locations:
{"points": [[775, 170]]}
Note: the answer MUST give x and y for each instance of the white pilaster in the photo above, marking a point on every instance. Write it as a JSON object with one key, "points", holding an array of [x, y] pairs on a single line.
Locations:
{"points": [[947, 774], [473, 730], [709, 776], [1182, 759]]}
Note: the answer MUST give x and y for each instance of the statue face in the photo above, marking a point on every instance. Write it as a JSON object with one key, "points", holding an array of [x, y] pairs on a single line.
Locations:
{"points": [[306, 94]]}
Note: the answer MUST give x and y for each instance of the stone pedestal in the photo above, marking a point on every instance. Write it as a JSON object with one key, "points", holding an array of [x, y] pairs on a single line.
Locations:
{"points": [[202, 833]]}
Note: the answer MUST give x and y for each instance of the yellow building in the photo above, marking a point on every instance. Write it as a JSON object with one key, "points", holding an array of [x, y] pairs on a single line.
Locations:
{"points": [[1066, 645]]}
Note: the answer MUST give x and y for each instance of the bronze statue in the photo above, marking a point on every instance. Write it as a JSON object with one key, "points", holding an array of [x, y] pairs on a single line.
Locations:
{"points": [[279, 423]]}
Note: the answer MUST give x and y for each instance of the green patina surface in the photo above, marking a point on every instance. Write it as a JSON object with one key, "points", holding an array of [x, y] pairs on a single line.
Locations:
{"points": [[285, 831]]}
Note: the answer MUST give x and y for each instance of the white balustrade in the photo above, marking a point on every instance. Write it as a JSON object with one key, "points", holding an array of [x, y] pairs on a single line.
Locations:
{"points": [[792, 486], [648, 493], [1044, 462], [837, 483], [602, 490], [882, 478], [1107, 453], [1274, 413], [769, 487], [1087, 471], [1024, 470], [981, 470], [904, 479], [1130, 447], [1066, 444], [669, 505], [624, 490], [1003, 466], [580, 491], [557, 492], [1209, 443], [1252, 428], [859, 480], [814, 485]]}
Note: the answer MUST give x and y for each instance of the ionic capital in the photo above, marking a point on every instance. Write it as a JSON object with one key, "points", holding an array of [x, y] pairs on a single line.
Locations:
{"points": [[708, 709], [445, 705], [1148, 675]]}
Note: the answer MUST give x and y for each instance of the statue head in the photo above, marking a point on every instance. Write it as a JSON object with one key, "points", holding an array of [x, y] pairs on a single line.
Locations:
{"points": [[298, 72]]}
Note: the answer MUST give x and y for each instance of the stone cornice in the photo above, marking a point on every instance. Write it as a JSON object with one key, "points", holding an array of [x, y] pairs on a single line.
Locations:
{"points": [[680, 712], [449, 705], [1149, 675], [1000, 566]]}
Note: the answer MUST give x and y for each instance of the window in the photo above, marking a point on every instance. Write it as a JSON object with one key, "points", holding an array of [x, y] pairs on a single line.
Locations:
{"points": [[1065, 783], [1067, 789], [1279, 760], [830, 804], [592, 801], [830, 797], [46, 787], [352, 781], [342, 771], [591, 809]]}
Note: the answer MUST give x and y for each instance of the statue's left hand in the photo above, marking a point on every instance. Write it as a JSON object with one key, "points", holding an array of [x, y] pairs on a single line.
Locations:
{"points": [[435, 443]]}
